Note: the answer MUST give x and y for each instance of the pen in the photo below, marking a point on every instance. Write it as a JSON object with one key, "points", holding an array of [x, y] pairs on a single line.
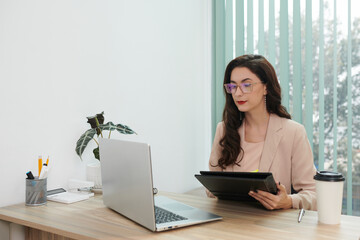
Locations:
{"points": [[47, 161], [301, 214], [40, 164]]}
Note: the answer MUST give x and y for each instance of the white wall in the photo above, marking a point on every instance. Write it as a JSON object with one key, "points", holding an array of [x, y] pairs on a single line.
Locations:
{"points": [[145, 63]]}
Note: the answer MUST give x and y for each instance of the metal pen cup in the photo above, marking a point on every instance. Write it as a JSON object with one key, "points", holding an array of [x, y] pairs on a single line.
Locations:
{"points": [[35, 192]]}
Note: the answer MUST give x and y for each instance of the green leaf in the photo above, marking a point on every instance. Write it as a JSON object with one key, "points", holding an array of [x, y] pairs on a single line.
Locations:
{"points": [[84, 140], [96, 153], [124, 129], [92, 120], [108, 126], [119, 127], [95, 121]]}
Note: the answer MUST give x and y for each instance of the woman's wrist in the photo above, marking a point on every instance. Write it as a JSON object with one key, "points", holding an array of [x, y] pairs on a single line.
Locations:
{"points": [[289, 202]]}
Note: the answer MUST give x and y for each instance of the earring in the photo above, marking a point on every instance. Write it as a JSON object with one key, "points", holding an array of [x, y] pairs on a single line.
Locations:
{"points": [[265, 102]]}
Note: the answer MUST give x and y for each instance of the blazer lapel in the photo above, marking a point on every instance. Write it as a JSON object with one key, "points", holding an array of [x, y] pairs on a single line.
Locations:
{"points": [[273, 136]]}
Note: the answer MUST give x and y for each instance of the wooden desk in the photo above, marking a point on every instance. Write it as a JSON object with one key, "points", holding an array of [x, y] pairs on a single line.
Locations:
{"points": [[92, 220]]}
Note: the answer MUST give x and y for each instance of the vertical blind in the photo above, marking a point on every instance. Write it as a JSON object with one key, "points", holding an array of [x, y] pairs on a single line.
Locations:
{"points": [[349, 116], [235, 37]]}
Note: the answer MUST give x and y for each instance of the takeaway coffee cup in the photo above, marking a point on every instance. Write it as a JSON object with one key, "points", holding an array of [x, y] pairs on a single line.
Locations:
{"points": [[329, 189]]}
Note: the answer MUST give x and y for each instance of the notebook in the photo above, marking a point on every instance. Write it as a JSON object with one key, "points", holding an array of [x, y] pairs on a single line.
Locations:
{"points": [[128, 188], [236, 185]]}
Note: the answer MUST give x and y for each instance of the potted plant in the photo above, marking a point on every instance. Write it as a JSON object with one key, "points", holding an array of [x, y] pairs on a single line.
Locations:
{"points": [[97, 127]]}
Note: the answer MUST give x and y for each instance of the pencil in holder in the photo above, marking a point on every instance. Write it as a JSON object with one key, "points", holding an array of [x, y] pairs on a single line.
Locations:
{"points": [[35, 192]]}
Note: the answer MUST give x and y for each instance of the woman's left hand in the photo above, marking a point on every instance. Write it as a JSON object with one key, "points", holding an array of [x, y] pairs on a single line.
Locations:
{"points": [[270, 201]]}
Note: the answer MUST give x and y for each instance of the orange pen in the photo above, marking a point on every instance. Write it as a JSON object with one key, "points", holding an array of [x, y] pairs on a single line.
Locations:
{"points": [[47, 161], [40, 164]]}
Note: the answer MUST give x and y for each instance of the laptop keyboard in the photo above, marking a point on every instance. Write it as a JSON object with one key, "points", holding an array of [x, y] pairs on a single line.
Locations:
{"points": [[164, 216]]}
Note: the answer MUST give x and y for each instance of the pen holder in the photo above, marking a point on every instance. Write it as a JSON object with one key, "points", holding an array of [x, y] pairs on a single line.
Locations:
{"points": [[36, 192]]}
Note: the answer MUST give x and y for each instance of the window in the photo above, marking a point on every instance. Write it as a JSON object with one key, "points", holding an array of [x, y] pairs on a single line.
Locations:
{"points": [[315, 49]]}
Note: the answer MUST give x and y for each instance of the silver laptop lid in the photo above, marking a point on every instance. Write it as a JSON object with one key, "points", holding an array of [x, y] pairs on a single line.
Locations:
{"points": [[127, 180]]}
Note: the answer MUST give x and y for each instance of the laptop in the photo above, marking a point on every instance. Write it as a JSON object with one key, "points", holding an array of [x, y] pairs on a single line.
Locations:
{"points": [[128, 189]]}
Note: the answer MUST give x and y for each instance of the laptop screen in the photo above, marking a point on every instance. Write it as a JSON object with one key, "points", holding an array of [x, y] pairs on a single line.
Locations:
{"points": [[127, 179]]}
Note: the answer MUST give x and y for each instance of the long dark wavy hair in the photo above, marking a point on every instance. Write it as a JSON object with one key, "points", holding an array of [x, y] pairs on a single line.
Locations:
{"points": [[230, 143]]}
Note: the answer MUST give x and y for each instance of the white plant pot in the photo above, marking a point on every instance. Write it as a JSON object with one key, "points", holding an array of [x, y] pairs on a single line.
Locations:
{"points": [[93, 174]]}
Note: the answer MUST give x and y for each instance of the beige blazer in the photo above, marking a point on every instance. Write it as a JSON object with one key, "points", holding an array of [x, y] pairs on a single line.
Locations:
{"points": [[287, 154]]}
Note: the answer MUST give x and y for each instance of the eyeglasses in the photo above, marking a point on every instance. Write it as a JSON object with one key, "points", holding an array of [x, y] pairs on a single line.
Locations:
{"points": [[245, 87]]}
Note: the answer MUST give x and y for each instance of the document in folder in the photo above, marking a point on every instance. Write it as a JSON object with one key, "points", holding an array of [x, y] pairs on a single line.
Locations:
{"points": [[236, 185]]}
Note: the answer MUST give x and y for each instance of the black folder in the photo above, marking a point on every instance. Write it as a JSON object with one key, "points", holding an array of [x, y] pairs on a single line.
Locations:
{"points": [[236, 185]]}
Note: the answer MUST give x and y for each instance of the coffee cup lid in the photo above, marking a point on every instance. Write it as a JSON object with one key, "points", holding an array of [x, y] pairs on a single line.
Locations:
{"points": [[329, 176]]}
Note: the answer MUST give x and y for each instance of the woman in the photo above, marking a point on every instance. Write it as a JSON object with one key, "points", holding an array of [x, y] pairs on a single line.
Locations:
{"points": [[257, 134]]}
